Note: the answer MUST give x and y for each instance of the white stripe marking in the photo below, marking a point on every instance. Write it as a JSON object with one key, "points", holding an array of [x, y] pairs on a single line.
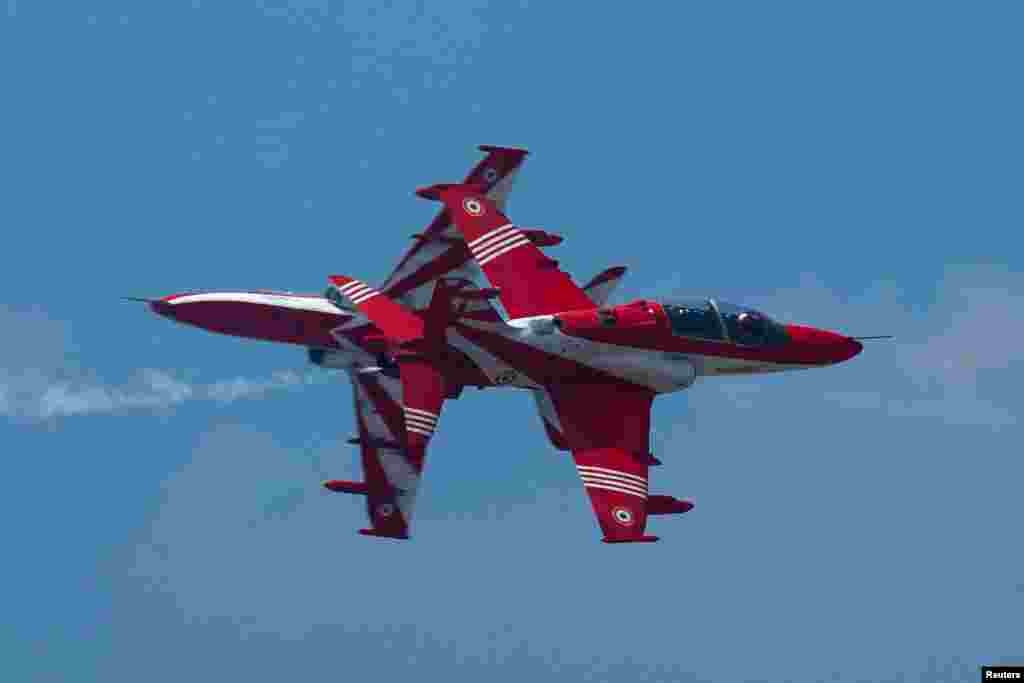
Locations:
{"points": [[364, 297], [414, 430], [296, 303], [614, 477], [495, 246], [491, 241], [484, 236], [614, 482], [605, 470], [419, 416], [616, 489], [347, 288], [424, 413], [419, 422], [490, 258], [493, 237], [355, 291]]}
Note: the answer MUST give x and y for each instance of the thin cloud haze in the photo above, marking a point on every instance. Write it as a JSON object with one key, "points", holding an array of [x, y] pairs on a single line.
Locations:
{"points": [[37, 383]]}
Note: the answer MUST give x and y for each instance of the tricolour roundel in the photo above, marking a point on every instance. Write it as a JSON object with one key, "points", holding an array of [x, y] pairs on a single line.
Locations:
{"points": [[490, 175], [385, 509], [623, 516], [473, 206]]}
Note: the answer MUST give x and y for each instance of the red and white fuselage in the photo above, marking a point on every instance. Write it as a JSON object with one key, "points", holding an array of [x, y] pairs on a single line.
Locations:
{"points": [[475, 302], [580, 346]]}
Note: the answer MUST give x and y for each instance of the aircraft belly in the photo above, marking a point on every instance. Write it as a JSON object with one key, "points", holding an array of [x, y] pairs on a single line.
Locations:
{"points": [[662, 372], [499, 372], [270, 320], [719, 365]]}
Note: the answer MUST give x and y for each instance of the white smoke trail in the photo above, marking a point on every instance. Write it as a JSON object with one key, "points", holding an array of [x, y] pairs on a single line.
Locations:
{"points": [[42, 379], [32, 395]]}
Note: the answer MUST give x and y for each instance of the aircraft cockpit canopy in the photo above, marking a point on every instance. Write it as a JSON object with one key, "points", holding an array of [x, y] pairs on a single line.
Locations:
{"points": [[720, 321]]}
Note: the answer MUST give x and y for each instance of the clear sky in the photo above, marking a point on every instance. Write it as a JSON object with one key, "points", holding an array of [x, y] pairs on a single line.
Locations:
{"points": [[848, 165]]}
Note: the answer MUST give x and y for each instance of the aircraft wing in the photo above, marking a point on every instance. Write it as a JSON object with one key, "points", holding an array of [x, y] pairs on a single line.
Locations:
{"points": [[529, 283], [607, 426], [439, 250], [397, 407], [390, 478]]}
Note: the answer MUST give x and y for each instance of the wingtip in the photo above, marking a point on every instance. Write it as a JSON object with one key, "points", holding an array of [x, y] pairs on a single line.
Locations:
{"points": [[436, 191], [501, 148], [632, 539]]}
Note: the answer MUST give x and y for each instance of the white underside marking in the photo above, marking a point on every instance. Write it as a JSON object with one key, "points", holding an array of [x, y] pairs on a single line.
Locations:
{"points": [[639, 366], [399, 472], [489, 364], [546, 407], [298, 303]]}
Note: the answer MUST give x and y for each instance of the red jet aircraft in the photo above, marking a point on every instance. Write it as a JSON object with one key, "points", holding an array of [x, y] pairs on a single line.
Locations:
{"points": [[475, 302]]}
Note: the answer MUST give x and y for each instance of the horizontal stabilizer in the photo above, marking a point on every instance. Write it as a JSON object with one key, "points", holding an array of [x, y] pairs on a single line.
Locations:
{"points": [[500, 148], [667, 505], [383, 534], [541, 238], [434, 191], [359, 488], [638, 539], [374, 443]]}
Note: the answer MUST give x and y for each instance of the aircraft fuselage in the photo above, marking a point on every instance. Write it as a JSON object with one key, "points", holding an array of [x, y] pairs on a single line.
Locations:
{"points": [[634, 342]]}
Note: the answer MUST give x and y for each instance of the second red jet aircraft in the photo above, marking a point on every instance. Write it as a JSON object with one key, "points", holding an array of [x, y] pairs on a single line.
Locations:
{"points": [[476, 302]]}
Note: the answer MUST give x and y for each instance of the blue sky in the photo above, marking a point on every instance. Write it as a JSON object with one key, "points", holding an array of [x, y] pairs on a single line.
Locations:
{"points": [[853, 166]]}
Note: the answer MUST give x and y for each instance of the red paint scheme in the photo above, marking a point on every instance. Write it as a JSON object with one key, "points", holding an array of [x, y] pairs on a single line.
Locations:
{"points": [[667, 505], [256, 321], [359, 488], [530, 283], [427, 332], [644, 324]]}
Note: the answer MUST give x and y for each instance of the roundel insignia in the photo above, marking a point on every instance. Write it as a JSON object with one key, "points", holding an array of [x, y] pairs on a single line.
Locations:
{"points": [[623, 516], [385, 509], [473, 206], [490, 175]]}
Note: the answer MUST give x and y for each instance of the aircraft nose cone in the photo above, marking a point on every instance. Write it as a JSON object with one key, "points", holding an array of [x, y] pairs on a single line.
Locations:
{"points": [[821, 346], [848, 348], [160, 307]]}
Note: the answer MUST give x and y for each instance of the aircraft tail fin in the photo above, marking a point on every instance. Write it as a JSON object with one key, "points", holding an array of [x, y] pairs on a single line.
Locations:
{"points": [[393, 319], [603, 284]]}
